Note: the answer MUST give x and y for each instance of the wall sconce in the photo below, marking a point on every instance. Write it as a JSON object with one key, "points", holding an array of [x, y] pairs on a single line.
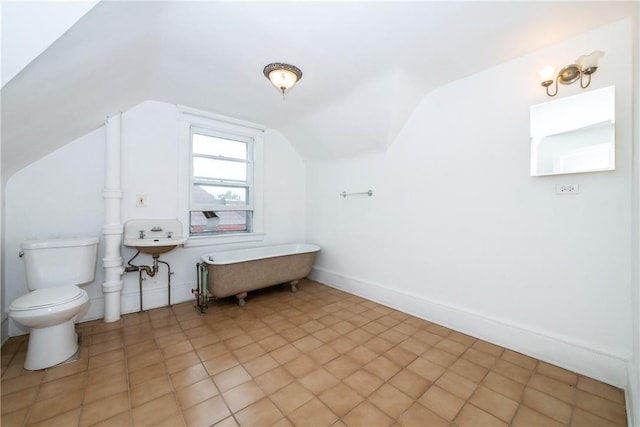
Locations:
{"points": [[282, 76], [584, 66]]}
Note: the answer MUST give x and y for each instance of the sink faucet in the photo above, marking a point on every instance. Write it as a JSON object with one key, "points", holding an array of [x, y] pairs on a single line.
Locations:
{"points": [[141, 234]]}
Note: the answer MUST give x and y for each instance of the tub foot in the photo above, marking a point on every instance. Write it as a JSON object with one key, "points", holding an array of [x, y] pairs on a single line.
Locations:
{"points": [[241, 297], [294, 286]]}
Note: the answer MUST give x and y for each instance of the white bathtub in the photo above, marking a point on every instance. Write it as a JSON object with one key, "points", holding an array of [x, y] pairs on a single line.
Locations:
{"points": [[240, 271]]}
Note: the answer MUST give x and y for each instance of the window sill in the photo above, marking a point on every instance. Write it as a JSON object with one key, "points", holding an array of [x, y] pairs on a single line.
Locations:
{"points": [[223, 240]]}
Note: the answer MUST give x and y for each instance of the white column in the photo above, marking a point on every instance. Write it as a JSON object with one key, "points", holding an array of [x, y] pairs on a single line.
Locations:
{"points": [[112, 228]]}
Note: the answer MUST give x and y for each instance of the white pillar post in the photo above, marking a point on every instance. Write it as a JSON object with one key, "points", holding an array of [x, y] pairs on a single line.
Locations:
{"points": [[112, 228]]}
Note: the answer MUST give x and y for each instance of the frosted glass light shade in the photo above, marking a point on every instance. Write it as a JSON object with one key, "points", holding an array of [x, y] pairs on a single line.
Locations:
{"points": [[548, 73], [282, 76], [590, 61], [283, 79]]}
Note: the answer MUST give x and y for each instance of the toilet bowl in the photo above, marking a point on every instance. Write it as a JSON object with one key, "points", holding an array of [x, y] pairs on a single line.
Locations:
{"points": [[54, 268], [50, 313]]}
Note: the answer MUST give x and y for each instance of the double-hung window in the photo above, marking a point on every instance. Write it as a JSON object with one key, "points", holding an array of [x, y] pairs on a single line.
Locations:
{"points": [[222, 183], [224, 202]]}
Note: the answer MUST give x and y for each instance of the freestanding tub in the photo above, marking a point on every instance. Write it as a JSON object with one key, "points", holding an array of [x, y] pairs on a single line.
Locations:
{"points": [[240, 271]]}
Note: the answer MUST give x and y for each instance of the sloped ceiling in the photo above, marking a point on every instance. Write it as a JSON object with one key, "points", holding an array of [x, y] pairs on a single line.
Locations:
{"points": [[366, 65], [28, 28]]}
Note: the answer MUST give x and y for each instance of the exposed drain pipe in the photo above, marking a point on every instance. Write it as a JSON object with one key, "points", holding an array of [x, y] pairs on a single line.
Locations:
{"points": [[151, 272], [112, 228]]}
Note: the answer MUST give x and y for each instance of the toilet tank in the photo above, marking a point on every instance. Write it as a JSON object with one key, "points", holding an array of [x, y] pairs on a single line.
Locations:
{"points": [[58, 262]]}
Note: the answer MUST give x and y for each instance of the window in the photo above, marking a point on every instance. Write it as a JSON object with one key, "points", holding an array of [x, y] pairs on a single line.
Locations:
{"points": [[224, 189], [222, 178]]}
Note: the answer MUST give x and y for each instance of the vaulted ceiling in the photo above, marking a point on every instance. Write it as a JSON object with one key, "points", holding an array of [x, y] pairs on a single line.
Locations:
{"points": [[366, 65]]}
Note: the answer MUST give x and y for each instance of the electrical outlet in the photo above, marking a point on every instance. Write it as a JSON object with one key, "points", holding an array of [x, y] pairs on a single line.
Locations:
{"points": [[140, 200], [567, 189]]}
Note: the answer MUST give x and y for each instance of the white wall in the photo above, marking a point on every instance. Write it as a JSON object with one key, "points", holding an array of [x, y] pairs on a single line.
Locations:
{"points": [[61, 195], [459, 233], [633, 383], [57, 196]]}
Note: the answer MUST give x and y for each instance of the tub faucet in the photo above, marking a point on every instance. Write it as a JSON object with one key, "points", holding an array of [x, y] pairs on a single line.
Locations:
{"points": [[141, 234], [169, 234]]}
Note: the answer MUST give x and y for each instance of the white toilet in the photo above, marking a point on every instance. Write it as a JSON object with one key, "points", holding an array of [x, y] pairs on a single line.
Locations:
{"points": [[54, 267]]}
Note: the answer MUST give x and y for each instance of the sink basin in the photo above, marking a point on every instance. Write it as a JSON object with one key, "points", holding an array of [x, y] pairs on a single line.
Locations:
{"points": [[151, 236], [153, 246]]}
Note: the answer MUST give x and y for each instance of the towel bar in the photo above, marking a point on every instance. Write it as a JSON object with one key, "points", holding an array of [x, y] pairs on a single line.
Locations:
{"points": [[345, 194]]}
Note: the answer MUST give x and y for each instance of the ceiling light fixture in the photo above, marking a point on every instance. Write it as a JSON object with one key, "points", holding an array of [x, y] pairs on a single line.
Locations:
{"points": [[584, 66], [282, 76]]}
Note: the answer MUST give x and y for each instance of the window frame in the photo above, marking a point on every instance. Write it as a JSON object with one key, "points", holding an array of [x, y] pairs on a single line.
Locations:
{"points": [[196, 121], [248, 183]]}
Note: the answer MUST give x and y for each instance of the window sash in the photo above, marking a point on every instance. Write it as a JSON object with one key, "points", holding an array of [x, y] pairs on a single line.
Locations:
{"points": [[220, 170], [226, 224], [223, 204], [226, 147], [221, 182]]}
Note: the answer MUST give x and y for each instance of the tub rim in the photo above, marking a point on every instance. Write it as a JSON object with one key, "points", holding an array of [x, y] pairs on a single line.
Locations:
{"points": [[303, 248]]}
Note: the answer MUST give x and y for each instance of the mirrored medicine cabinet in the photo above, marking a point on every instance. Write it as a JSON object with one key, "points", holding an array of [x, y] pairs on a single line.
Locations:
{"points": [[574, 134]]}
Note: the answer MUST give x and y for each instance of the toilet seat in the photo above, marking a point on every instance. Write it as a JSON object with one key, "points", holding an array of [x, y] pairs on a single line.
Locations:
{"points": [[47, 297]]}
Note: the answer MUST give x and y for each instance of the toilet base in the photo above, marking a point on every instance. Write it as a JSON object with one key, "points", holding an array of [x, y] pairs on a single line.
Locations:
{"points": [[50, 346]]}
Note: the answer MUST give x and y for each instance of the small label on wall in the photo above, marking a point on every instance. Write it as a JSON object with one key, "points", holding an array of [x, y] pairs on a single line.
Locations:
{"points": [[567, 189]]}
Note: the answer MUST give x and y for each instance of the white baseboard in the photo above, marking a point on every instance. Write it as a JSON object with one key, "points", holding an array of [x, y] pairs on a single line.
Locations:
{"points": [[631, 396], [608, 368], [153, 297]]}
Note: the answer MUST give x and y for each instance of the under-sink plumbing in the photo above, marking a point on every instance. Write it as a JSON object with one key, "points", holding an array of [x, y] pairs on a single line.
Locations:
{"points": [[151, 272], [152, 237]]}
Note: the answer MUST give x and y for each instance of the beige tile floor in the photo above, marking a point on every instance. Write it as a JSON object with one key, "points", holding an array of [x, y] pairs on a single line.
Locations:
{"points": [[317, 357]]}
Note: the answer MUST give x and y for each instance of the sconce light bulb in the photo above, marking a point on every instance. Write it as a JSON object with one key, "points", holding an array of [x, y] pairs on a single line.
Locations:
{"points": [[548, 73], [590, 61]]}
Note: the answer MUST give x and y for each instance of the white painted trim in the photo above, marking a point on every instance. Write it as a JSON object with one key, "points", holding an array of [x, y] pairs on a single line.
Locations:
{"points": [[608, 368], [156, 296], [153, 297], [223, 239], [630, 398], [194, 115], [189, 117], [94, 311]]}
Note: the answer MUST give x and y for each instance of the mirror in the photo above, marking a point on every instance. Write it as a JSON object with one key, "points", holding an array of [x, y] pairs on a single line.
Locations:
{"points": [[574, 134]]}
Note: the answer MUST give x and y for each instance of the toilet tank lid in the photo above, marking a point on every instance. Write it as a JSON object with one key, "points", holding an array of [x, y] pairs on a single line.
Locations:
{"points": [[59, 242]]}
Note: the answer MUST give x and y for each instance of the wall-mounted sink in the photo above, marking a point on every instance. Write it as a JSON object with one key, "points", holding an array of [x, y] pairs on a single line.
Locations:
{"points": [[153, 236], [154, 246]]}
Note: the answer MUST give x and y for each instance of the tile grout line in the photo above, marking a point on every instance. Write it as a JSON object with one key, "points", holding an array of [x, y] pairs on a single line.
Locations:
{"points": [[338, 309], [214, 384], [126, 374]]}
